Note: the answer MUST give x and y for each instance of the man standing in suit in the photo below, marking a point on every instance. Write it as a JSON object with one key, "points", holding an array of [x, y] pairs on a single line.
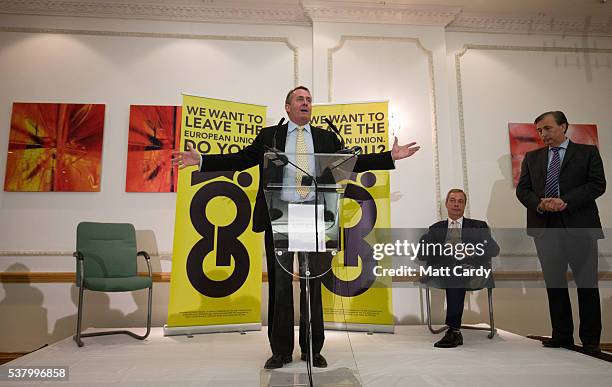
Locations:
{"points": [[458, 230], [559, 184], [297, 136]]}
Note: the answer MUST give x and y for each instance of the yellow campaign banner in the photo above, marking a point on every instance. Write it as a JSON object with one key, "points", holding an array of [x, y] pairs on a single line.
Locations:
{"points": [[352, 294], [216, 259]]}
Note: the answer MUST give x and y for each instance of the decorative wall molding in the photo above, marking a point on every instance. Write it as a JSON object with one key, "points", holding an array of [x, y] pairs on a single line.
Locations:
{"points": [[305, 12], [379, 12], [462, 52], [164, 277], [251, 12], [531, 24], [5, 357], [70, 277], [54, 253], [168, 254], [266, 39], [432, 93], [61, 277]]}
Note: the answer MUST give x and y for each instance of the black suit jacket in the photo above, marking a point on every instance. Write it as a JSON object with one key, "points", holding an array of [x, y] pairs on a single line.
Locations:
{"points": [[472, 231], [324, 141], [581, 181]]}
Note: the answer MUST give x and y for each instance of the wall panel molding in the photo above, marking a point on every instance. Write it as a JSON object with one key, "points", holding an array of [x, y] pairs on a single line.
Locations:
{"points": [[461, 53], [432, 93], [155, 35]]}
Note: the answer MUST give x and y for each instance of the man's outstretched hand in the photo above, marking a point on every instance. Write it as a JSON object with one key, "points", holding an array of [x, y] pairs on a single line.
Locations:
{"points": [[186, 159], [399, 152]]}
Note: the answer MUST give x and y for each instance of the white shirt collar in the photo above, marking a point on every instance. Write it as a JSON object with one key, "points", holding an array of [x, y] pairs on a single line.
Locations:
{"points": [[291, 126], [563, 145], [460, 221]]}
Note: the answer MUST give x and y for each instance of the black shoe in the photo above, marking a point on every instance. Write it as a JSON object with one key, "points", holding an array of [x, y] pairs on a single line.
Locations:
{"points": [[287, 359], [276, 361], [557, 343], [591, 349], [317, 360], [451, 339]]}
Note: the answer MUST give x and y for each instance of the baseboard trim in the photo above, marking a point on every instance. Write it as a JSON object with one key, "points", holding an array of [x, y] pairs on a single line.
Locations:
{"points": [[161, 277]]}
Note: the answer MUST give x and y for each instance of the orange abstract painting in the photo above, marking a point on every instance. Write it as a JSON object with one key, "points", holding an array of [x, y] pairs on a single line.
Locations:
{"points": [[525, 138], [153, 135], [55, 147]]}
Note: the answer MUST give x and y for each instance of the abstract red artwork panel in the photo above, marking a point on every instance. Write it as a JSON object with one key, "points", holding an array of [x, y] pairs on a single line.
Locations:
{"points": [[153, 135], [525, 138], [55, 147]]}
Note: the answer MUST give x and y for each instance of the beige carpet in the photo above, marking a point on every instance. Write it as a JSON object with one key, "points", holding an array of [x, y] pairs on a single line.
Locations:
{"points": [[406, 358]]}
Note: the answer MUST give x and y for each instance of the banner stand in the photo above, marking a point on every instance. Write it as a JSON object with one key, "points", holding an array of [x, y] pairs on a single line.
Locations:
{"points": [[215, 284], [197, 329], [374, 328]]}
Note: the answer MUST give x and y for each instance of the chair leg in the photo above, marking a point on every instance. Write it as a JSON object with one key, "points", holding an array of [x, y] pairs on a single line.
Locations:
{"points": [[123, 332], [149, 312], [491, 322], [428, 307], [77, 336]]}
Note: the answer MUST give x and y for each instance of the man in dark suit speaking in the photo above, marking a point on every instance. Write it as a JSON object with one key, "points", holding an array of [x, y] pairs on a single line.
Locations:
{"points": [[559, 184], [458, 229], [297, 136]]}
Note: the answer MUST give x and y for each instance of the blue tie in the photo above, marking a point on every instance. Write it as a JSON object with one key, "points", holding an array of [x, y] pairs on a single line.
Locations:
{"points": [[552, 178]]}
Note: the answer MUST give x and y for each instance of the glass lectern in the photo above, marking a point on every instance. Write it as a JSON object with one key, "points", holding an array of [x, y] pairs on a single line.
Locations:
{"points": [[303, 194]]}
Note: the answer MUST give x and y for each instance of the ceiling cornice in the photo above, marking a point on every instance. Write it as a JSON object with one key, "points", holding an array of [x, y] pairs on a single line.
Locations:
{"points": [[532, 24], [189, 11], [384, 13], [305, 12]]}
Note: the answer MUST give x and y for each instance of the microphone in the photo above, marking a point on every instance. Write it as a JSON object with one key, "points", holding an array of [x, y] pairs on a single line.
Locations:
{"points": [[335, 130], [280, 160], [282, 120]]}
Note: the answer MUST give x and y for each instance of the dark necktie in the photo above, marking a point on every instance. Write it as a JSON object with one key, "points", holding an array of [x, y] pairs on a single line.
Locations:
{"points": [[552, 177]]}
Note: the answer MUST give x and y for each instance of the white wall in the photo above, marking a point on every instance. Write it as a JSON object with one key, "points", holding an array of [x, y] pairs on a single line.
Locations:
{"points": [[514, 79], [389, 62], [123, 70], [139, 62]]}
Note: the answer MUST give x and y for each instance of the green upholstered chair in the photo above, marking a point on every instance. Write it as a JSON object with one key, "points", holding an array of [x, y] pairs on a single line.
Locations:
{"points": [[106, 262]]}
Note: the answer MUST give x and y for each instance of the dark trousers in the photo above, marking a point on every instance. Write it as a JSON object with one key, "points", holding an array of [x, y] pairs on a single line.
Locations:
{"points": [[454, 307], [556, 250], [280, 303]]}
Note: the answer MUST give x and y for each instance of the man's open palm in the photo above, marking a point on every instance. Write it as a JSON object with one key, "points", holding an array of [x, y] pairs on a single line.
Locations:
{"points": [[399, 152], [186, 159]]}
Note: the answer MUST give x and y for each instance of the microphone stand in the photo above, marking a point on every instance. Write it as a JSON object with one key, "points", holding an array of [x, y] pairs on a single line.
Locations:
{"points": [[337, 131]]}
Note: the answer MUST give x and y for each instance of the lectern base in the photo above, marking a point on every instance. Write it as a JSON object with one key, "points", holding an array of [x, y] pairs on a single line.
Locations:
{"points": [[341, 377]]}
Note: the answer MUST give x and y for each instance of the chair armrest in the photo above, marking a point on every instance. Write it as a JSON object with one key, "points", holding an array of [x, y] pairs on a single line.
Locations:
{"points": [[148, 259], [79, 274]]}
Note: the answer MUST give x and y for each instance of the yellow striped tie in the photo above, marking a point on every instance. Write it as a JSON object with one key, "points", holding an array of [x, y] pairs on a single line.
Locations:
{"points": [[301, 160]]}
